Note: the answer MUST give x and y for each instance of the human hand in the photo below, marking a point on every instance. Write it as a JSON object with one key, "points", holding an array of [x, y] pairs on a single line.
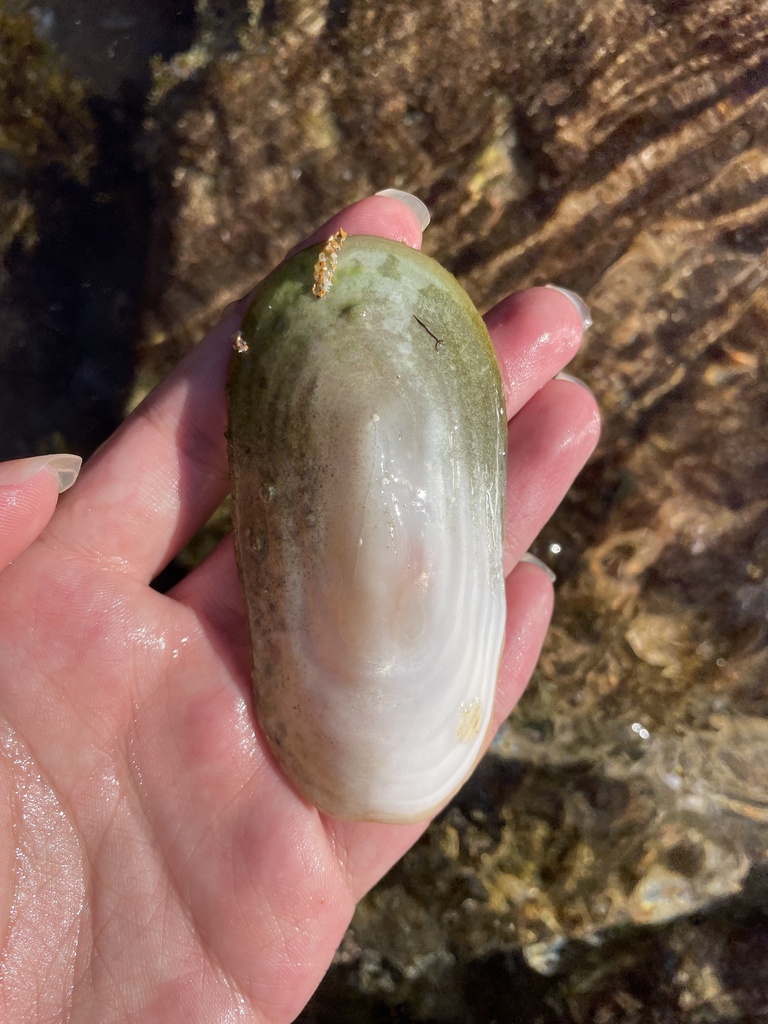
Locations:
{"points": [[155, 865]]}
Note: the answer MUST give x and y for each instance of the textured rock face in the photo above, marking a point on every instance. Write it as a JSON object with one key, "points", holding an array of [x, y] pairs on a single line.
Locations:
{"points": [[607, 863], [610, 851]]}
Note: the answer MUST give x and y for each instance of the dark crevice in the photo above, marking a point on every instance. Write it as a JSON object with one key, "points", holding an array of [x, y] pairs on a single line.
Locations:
{"points": [[270, 15]]}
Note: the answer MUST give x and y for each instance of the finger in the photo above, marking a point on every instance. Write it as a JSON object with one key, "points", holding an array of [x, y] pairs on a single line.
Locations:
{"points": [[549, 441], [29, 490], [213, 590], [157, 480], [530, 599], [371, 849], [535, 333], [404, 218]]}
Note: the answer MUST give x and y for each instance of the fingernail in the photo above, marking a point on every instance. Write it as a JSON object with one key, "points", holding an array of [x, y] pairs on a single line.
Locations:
{"points": [[412, 202], [579, 303], [533, 560], [572, 380], [18, 471]]}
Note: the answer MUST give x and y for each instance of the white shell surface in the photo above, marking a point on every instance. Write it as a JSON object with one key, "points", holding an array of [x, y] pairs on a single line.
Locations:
{"points": [[367, 442]]}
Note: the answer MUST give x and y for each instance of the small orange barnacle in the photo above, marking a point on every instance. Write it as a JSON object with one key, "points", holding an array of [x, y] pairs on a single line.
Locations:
{"points": [[326, 263]]}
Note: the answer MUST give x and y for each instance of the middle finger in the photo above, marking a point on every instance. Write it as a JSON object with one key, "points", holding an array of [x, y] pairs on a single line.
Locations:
{"points": [[535, 333]]}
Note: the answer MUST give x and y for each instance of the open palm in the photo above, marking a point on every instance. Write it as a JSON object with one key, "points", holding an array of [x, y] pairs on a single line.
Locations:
{"points": [[155, 865]]}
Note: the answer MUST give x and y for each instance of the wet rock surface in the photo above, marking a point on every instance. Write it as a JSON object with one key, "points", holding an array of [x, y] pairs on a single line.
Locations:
{"points": [[607, 862]]}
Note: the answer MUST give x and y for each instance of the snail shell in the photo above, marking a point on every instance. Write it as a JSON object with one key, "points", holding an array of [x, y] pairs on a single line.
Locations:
{"points": [[367, 453]]}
